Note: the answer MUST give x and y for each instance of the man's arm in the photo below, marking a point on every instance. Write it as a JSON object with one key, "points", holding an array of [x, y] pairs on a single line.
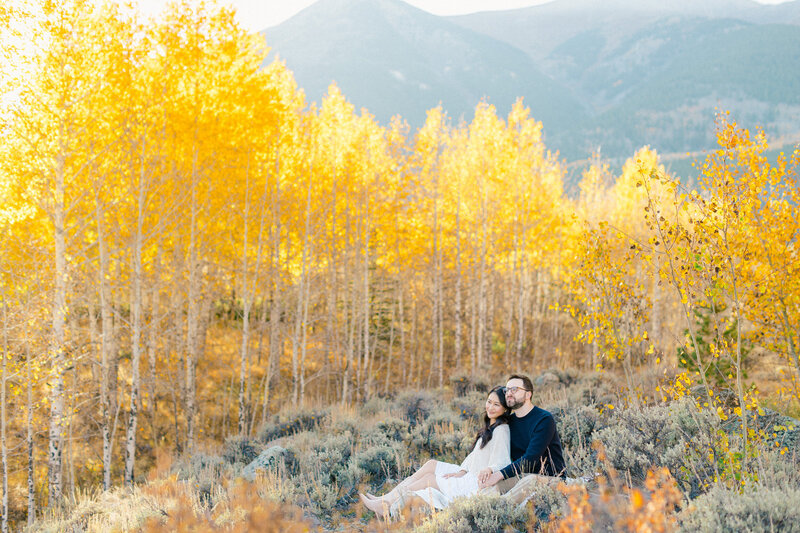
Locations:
{"points": [[541, 437]]}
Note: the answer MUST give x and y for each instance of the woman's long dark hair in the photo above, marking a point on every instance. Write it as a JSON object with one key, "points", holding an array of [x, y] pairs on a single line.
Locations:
{"points": [[485, 434]]}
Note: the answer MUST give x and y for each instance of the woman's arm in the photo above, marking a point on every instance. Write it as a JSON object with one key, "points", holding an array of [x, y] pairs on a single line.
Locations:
{"points": [[500, 453], [469, 462]]}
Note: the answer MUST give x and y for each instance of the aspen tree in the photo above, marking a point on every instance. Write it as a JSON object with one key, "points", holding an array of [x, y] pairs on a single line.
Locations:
{"points": [[194, 38], [24, 304], [774, 296], [337, 126], [679, 245], [142, 185], [481, 130], [536, 182], [153, 345], [281, 139], [29, 439], [107, 344], [738, 179], [249, 126], [429, 168], [329, 140], [304, 288], [106, 339], [396, 235], [757, 202], [373, 172], [366, 309], [383, 181], [457, 142], [276, 285], [6, 85], [299, 333], [56, 121], [3, 418], [246, 291]]}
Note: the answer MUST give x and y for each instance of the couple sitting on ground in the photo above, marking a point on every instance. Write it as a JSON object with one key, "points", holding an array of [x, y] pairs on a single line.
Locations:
{"points": [[518, 438]]}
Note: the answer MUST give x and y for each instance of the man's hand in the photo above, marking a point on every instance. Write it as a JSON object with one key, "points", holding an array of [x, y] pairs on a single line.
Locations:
{"points": [[483, 475], [460, 473], [491, 481]]}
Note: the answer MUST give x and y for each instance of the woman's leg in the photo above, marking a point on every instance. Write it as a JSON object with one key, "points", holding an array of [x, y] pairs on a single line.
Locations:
{"points": [[382, 505], [428, 469], [422, 482], [423, 478]]}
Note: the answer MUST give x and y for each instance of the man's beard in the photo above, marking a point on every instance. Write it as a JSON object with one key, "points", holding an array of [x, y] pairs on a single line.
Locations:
{"points": [[514, 404]]}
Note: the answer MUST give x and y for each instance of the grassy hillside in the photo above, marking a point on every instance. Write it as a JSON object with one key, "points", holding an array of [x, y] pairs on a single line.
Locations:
{"points": [[322, 457]]}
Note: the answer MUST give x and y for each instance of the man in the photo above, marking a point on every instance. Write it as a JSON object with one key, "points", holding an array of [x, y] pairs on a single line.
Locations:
{"points": [[535, 445]]}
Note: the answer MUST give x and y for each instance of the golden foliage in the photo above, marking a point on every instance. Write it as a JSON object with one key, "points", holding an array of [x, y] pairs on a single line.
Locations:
{"points": [[160, 187]]}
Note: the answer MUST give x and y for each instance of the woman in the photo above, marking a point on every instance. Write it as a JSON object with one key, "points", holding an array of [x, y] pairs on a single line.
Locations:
{"points": [[439, 483]]}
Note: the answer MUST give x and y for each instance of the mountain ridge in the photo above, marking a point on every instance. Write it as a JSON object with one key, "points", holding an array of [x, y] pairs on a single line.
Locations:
{"points": [[610, 75], [409, 54]]}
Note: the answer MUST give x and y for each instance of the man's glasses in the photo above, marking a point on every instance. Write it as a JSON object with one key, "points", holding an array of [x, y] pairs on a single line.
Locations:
{"points": [[513, 390]]}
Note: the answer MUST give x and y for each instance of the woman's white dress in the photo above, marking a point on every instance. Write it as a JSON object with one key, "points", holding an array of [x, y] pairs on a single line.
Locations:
{"points": [[495, 455]]}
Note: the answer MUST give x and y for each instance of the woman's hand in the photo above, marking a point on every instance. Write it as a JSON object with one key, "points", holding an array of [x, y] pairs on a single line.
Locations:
{"points": [[491, 481], [483, 475], [460, 473]]}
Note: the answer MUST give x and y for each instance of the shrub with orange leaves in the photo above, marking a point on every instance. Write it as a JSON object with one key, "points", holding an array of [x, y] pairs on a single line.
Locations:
{"points": [[650, 509], [243, 511], [578, 518], [656, 514]]}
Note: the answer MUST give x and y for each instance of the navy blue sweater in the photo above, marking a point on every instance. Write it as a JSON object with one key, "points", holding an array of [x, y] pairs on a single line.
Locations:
{"points": [[535, 446]]}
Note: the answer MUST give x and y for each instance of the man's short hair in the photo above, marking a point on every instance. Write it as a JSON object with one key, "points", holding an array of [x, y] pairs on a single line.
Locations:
{"points": [[526, 381]]}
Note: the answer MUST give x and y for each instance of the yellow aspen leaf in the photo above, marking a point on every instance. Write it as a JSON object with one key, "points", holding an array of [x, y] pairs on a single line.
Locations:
{"points": [[637, 500]]}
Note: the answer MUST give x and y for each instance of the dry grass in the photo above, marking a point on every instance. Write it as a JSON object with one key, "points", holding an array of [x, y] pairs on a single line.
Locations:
{"points": [[172, 505], [368, 448]]}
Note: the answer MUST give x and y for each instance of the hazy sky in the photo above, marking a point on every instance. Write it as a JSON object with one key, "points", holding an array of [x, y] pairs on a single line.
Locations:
{"points": [[259, 14]]}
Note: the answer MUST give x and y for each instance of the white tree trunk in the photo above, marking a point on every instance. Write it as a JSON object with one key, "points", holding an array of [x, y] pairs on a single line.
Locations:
{"points": [[59, 314], [332, 345], [365, 293], [459, 317], [483, 334], [349, 322], [390, 348], [152, 328], [192, 315], [3, 443], [275, 310], [136, 327], [29, 439], [438, 296], [305, 291], [301, 318], [521, 298], [244, 358], [106, 341]]}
